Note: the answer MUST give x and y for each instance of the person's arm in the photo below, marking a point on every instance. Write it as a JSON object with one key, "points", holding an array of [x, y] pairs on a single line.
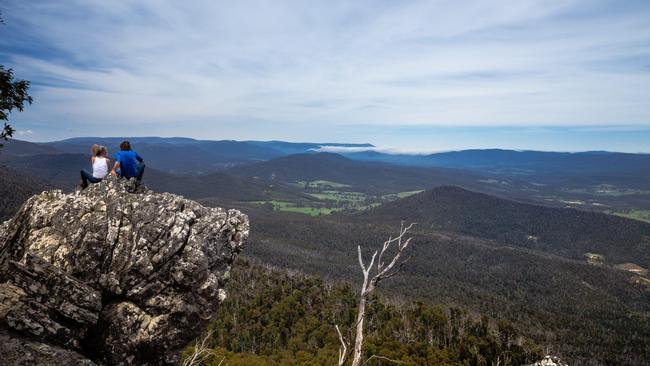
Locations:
{"points": [[115, 167], [138, 158]]}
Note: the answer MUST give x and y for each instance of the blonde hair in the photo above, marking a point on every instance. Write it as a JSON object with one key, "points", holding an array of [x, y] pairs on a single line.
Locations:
{"points": [[101, 150], [93, 149]]}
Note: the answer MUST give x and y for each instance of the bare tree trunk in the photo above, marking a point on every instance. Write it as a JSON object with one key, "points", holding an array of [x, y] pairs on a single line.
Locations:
{"points": [[358, 340], [368, 287]]}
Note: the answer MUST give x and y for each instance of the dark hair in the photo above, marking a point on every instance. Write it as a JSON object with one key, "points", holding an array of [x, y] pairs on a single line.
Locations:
{"points": [[125, 145]]}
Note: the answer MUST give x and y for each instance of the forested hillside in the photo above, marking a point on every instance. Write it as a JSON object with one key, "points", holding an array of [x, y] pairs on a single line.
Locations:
{"points": [[15, 189], [562, 231], [278, 317], [537, 291]]}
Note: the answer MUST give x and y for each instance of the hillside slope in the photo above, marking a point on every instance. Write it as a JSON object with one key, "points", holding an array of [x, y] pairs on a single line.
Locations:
{"points": [[562, 231], [286, 318], [372, 177], [580, 311], [15, 189]]}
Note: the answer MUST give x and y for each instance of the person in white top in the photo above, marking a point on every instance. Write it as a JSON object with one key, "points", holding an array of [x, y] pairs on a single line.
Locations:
{"points": [[100, 166]]}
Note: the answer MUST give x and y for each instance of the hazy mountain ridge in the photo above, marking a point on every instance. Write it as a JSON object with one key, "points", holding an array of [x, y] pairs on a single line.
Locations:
{"points": [[610, 191], [374, 177], [219, 154]]}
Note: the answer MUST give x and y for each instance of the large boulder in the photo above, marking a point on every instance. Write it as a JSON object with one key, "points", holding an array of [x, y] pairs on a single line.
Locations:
{"points": [[116, 273]]}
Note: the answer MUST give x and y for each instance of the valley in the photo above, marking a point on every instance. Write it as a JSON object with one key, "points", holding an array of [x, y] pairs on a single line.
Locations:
{"points": [[563, 259]]}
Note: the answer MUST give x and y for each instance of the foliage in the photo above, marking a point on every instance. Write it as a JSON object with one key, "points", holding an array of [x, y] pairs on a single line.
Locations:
{"points": [[13, 95], [277, 317], [579, 311], [641, 215]]}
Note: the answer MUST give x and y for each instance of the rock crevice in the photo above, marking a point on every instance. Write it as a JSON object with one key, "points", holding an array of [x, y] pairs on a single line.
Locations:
{"points": [[116, 273]]}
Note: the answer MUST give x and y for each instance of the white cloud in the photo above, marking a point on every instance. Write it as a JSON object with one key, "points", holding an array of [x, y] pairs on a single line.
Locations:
{"points": [[385, 150], [24, 132], [332, 63]]}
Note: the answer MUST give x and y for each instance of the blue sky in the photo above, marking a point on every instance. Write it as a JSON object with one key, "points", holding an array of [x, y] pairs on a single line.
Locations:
{"points": [[409, 75]]}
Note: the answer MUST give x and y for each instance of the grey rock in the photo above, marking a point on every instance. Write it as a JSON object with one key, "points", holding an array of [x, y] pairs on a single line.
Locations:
{"points": [[18, 351], [116, 272], [549, 360]]}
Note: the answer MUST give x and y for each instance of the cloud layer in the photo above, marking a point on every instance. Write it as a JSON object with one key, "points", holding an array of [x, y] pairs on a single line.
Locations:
{"points": [[247, 69]]}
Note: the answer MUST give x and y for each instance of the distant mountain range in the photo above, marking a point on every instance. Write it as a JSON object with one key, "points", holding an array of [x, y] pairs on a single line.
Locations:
{"points": [[372, 177], [551, 167], [588, 180], [189, 156]]}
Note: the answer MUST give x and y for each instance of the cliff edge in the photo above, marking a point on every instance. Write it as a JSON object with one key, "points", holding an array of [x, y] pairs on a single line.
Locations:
{"points": [[115, 274]]}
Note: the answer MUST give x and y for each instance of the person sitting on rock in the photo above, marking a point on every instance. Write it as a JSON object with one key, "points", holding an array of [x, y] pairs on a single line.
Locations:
{"points": [[100, 166], [128, 163]]}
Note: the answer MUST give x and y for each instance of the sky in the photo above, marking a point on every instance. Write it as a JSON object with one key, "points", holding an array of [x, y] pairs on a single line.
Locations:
{"points": [[411, 75]]}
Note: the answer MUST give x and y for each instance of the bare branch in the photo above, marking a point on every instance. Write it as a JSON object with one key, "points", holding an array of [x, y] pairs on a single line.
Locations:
{"points": [[363, 268], [343, 350], [383, 271], [201, 351], [398, 270], [382, 358]]}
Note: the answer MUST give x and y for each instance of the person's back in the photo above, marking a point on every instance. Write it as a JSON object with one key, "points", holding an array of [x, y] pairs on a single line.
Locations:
{"points": [[128, 163], [100, 167]]}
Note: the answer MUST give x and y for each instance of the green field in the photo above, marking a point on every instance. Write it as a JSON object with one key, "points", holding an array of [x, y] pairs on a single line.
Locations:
{"points": [[607, 190], [409, 193], [330, 200], [339, 196], [293, 207], [321, 184], [394, 196], [641, 215]]}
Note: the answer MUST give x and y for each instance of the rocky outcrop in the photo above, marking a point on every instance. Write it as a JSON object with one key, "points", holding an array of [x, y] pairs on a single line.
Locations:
{"points": [[549, 361], [115, 273]]}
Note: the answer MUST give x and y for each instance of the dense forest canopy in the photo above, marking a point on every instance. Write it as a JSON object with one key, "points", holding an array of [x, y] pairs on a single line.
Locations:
{"points": [[277, 317]]}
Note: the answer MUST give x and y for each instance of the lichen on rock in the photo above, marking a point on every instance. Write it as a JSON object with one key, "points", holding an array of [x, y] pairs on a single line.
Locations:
{"points": [[115, 272]]}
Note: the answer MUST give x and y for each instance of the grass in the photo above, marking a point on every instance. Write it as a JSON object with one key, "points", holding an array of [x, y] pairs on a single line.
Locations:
{"points": [[641, 215], [339, 196], [321, 184], [333, 200], [408, 193], [607, 190], [394, 196], [292, 207]]}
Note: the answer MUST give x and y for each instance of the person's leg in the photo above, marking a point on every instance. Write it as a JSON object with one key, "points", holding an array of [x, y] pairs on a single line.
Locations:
{"points": [[94, 180], [84, 178], [140, 171]]}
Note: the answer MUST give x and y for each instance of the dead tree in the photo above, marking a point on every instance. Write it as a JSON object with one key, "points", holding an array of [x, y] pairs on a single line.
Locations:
{"points": [[201, 352], [372, 276]]}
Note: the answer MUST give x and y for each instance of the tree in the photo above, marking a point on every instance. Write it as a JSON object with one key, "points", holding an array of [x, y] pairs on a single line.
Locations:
{"points": [[13, 95], [382, 271]]}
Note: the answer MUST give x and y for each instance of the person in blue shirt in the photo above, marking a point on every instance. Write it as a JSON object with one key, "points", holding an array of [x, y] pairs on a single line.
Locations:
{"points": [[128, 163]]}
